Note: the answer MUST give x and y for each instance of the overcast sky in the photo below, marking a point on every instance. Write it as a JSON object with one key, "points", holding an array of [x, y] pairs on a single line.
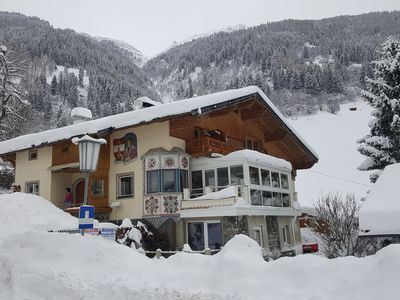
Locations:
{"points": [[152, 25]]}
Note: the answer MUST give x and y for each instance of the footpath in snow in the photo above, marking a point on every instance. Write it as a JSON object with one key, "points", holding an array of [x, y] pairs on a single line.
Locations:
{"points": [[37, 264]]}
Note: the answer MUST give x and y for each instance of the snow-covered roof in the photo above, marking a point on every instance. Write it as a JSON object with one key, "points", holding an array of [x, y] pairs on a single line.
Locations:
{"points": [[196, 104], [259, 158], [256, 158], [81, 112], [379, 214]]}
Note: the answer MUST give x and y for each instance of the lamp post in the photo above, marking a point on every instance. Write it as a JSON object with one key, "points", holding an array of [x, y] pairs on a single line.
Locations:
{"points": [[89, 150]]}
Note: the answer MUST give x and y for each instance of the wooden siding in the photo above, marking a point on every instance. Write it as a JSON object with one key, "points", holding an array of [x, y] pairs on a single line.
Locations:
{"points": [[238, 123], [65, 153]]}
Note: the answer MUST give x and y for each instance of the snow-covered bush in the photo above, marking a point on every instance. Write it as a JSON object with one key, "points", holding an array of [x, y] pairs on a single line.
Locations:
{"points": [[337, 225]]}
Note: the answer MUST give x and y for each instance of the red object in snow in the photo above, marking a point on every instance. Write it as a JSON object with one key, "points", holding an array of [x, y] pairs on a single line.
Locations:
{"points": [[310, 248]]}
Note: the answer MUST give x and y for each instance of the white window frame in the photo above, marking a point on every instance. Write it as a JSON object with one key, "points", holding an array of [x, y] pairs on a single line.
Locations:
{"points": [[205, 230], [36, 187], [259, 229], [119, 177], [34, 151]]}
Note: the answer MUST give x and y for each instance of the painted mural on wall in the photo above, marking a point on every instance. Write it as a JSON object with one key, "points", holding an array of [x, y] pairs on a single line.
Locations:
{"points": [[162, 204], [125, 148]]}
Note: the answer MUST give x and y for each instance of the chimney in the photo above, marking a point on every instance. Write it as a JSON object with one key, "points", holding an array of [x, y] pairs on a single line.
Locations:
{"points": [[80, 114], [144, 102]]}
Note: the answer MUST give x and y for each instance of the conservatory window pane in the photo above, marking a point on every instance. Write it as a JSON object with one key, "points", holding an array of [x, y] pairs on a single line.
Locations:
{"points": [[275, 180], [277, 199], [255, 196], [236, 175], [267, 198], [284, 181], [285, 200], [223, 179], [210, 178], [254, 176], [197, 183], [265, 177]]}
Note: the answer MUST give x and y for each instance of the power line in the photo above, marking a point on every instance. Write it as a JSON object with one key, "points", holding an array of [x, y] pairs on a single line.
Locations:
{"points": [[344, 179]]}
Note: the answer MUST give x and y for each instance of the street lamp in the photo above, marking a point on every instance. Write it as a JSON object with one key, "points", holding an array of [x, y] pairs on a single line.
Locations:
{"points": [[89, 149]]}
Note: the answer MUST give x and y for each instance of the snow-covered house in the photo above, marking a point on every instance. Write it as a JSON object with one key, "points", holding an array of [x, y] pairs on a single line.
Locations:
{"points": [[200, 170], [379, 214]]}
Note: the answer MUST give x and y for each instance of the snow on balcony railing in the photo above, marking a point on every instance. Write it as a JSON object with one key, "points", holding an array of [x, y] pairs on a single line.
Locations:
{"points": [[213, 197]]}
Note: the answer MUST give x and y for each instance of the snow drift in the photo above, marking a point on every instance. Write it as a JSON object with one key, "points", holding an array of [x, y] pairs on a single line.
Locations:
{"points": [[37, 264]]}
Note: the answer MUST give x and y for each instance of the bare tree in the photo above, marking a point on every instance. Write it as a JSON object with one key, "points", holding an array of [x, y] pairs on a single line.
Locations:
{"points": [[12, 101], [337, 224]]}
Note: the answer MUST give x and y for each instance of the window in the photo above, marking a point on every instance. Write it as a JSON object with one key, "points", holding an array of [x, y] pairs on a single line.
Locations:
{"points": [[267, 198], [253, 144], [125, 185], [203, 235], [285, 234], [284, 182], [275, 180], [223, 178], [254, 176], [197, 183], [168, 181], [97, 187], [265, 178], [32, 154], [210, 178], [257, 233], [152, 181], [277, 199], [285, 200], [183, 180], [196, 236], [32, 187], [255, 196], [236, 175]]}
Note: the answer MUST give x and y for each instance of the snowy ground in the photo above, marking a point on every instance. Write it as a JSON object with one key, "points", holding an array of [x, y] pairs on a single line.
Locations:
{"points": [[36, 264], [334, 138]]}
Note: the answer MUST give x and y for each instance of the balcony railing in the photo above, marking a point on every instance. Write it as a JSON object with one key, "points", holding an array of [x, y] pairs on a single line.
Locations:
{"points": [[203, 146]]}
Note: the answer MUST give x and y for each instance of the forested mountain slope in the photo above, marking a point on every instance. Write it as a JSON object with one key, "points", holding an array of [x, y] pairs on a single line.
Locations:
{"points": [[114, 79], [303, 65]]}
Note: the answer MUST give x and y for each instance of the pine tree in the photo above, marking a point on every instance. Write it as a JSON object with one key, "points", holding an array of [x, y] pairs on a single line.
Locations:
{"points": [[80, 76], [305, 53], [53, 85], [382, 145]]}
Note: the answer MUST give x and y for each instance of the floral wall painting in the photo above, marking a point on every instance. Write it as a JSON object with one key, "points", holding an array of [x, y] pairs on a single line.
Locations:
{"points": [[125, 148]]}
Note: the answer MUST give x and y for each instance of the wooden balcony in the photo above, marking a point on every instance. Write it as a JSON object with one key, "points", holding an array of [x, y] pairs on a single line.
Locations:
{"points": [[204, 146]]}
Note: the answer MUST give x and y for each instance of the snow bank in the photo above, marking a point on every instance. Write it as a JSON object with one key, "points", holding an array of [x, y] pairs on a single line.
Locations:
{"points": [[36, 264], [242, 249], [21, 212], [379, 214]]}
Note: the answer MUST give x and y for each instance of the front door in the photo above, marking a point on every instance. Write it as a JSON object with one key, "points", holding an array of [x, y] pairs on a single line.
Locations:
{"points": [[79, 192]]}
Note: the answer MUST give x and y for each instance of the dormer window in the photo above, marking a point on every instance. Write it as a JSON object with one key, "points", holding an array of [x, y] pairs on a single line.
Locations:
{"points": [[33, 154]]}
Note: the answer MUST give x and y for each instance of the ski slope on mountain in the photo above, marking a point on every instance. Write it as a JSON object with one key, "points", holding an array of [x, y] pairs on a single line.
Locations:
{"points": [[334, 137]]}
